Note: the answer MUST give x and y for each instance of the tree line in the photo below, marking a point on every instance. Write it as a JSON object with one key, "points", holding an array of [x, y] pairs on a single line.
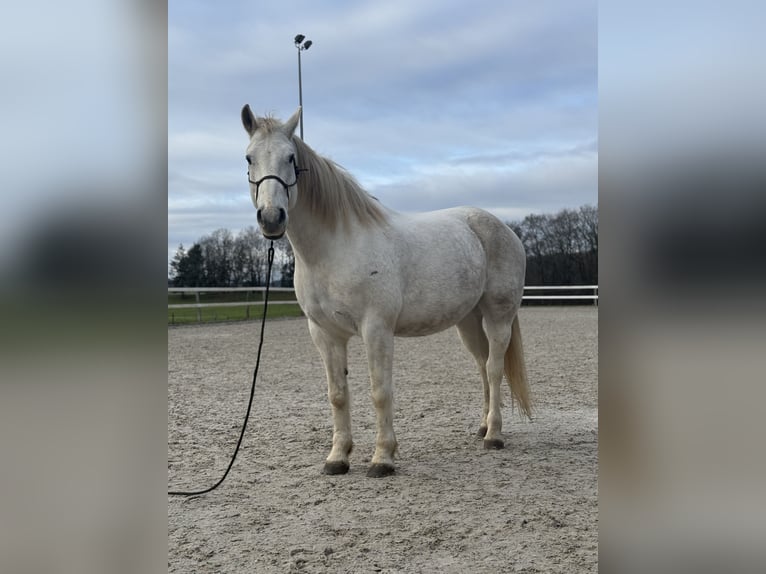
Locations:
{"points": [[222, 259], [562, 249]]}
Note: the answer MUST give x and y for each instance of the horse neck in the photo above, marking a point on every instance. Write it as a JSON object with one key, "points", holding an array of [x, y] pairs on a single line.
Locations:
{"points": [[311, 238], [324, 217]]}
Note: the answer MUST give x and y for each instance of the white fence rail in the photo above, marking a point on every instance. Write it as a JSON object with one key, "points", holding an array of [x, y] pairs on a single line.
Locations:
{"points": [[592, 297], [260, 290], [201, 290]]}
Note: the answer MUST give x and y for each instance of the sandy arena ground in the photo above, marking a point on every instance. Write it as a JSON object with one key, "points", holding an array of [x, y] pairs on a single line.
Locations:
{"points": [[451, 507]]}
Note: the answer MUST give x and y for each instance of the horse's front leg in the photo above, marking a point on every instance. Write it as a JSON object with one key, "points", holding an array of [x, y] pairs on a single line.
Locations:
{"points": [[333, 351], [379, 341]]}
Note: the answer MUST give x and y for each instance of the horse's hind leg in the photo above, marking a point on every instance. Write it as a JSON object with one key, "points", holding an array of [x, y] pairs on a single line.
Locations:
{"points": [[333, 351], [498, 330], [472, 334]]}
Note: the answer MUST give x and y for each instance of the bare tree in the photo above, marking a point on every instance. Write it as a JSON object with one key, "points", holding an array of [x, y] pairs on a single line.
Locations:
{"points": [[218, 251], [253, 257]]}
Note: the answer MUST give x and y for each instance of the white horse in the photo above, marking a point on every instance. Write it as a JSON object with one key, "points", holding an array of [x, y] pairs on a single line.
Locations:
{"points": [[363, 269]]}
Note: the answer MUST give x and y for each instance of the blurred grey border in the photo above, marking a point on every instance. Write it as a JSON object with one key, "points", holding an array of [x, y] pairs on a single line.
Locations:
{"points": [[83, 279], [683, 274]]}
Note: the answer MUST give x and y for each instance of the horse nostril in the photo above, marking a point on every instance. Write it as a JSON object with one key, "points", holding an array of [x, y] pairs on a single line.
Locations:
{"points": [[282, 215], [258, 216]]}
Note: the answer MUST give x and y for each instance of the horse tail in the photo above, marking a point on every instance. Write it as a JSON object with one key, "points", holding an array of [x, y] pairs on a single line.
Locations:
{"points": [[516, 371]]}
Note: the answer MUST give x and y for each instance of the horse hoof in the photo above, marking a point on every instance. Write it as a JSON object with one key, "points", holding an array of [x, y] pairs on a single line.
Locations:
{"points": [[482, 432], [493, 443], [381, 470], [335, 467]]}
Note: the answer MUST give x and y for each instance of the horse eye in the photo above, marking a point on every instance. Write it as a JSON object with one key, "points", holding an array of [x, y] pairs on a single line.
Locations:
{"points": [[291, 158]]}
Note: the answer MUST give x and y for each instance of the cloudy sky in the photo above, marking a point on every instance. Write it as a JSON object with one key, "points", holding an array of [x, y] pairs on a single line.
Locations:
{"points": [[430, 104]]}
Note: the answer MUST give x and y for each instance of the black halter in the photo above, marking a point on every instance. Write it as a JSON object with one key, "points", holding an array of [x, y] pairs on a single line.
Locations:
{"points": [[286, 185]]}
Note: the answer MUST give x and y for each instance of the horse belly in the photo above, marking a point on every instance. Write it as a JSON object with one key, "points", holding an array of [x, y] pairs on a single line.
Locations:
{"points": [[428, 312], [419, 326]]}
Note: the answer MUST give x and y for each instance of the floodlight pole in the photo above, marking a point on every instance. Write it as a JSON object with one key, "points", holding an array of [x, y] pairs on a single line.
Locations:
{"points": [[301, 45]]}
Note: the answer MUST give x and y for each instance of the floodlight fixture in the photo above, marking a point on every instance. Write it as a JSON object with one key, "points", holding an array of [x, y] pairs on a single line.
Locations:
{"points": [[301, 45]]}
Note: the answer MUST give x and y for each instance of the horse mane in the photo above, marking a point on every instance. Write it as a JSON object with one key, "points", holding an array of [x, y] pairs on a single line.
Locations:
{"points": [[333, 195]]}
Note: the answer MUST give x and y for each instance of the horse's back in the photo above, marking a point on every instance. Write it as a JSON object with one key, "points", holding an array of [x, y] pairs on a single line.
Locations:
{"points": [[503, 250], [450, 260]]}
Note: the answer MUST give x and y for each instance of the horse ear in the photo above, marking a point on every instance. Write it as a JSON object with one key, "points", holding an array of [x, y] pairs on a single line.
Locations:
{"points": [[248, 120], [292, 123]]}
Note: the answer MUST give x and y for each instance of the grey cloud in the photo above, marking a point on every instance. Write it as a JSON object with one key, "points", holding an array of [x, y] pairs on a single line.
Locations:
{"points": [[526, 155], [543, 186]]}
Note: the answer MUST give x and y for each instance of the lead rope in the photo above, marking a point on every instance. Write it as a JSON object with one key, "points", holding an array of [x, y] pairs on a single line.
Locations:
{"points": [[252, 390]]}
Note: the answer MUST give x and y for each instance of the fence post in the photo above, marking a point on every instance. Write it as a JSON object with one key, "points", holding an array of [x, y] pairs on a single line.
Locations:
{"points": [[199, 309]]}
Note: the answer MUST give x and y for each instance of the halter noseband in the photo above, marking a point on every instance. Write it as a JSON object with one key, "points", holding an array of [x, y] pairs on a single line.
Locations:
{"points": [[287, 186]]}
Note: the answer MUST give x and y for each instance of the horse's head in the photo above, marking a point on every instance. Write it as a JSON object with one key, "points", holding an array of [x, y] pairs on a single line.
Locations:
{"points": [[272, 170]]}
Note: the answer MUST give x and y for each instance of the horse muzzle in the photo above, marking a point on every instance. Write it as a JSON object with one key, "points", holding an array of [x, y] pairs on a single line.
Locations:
{"points": [[272, 221]]}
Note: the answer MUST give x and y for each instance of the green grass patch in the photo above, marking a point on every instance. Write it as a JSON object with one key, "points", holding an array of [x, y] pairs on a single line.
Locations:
{"points": [[215, 314], [243, 313]]}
